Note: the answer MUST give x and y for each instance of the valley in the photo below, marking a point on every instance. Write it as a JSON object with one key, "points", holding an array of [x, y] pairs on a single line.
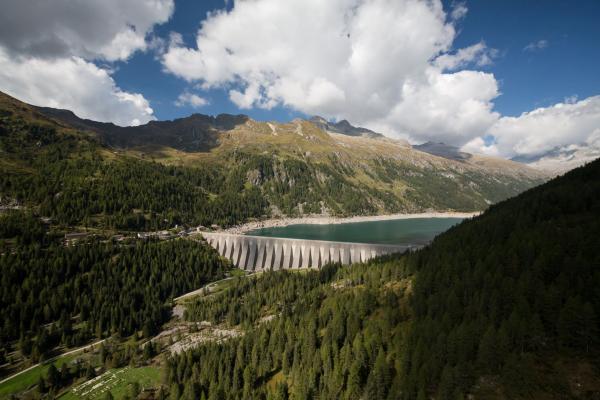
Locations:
{"points": [[101, 240], [299, 200], [299, 333]]}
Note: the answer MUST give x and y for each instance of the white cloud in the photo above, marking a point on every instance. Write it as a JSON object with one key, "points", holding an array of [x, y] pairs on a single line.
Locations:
{"points": [[536, 46], [478, 54], [108, 29], [459, 11], [451, 108], [46, 49], [190, 99], [379, 63], [74, 84], [543, 130]]}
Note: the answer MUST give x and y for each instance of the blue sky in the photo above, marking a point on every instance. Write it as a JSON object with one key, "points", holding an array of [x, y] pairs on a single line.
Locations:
{"points": [[530, 79], [508, 78], [567, 66]]}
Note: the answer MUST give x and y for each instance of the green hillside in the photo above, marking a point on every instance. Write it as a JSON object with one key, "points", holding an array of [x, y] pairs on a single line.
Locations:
{"points": [[502, 306], [226, 170]]}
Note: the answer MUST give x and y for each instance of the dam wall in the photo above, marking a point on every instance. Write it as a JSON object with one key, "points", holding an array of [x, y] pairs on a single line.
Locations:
{"points": [[259, 253]]}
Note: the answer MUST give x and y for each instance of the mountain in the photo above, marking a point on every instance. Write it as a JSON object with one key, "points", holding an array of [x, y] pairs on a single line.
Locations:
{"points": [[195, 133], [345, 128], [562, 159], [228, 169], [443, 150]]}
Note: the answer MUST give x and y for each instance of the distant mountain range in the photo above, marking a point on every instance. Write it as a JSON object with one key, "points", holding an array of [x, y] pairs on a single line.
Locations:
{"points": [[198, 133], [296, 168], [344, 127], [443, 150], [562, 159]]}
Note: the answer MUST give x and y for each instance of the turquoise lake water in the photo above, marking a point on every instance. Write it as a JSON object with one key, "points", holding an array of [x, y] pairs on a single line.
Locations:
{"points": [[415, 231]]}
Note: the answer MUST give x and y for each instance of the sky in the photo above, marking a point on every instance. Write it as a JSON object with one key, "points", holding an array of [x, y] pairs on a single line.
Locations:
{"points": [[508, 78]]}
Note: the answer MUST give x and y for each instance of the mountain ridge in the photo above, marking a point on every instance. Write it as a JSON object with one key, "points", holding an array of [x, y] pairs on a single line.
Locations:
{"points": [[289, 169], [443, 150], [201, 123], [562, 159]]}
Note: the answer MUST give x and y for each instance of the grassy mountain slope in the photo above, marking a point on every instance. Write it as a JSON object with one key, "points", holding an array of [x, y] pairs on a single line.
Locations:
{"points": [[71, 176], [504, 305], [290, 169]]}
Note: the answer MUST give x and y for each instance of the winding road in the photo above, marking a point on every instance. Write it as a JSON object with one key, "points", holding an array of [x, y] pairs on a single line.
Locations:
{"points": [[52, 360]]}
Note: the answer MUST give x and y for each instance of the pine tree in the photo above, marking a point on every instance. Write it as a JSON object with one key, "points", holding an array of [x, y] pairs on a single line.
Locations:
{"points": [[353, 386], [41, 385], [447, 384], [487, 356], [249, 379], [134, 390], [53, 376], [188, 391], [174, 392], [588, 333]]}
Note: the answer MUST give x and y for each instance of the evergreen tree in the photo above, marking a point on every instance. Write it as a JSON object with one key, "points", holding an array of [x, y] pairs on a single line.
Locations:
{"points": [[174, 392]]}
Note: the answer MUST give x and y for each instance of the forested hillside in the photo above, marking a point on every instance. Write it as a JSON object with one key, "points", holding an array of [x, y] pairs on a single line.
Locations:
{"points": [[226, 170], [505, 293], [335, 333], [502, 306], [56, 296], [70, 177]]}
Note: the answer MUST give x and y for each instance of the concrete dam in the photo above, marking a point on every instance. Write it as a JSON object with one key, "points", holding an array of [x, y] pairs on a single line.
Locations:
{"points": [[259, 253]]}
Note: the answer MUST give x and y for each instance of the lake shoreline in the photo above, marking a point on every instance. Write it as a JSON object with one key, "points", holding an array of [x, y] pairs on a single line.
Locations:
{"points": [[326, 220]]}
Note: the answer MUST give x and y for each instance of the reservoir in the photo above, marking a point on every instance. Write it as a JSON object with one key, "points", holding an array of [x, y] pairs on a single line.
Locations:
{"points": [[413, 231]]}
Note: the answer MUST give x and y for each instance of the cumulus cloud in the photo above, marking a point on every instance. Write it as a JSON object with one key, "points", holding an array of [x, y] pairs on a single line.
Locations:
{"points": [[459, 11], [385, 64], [74, 84], [449, 107], [47, 51], [536, 46], [108, 29], [543, 130], [190, 99], [478, 54]]}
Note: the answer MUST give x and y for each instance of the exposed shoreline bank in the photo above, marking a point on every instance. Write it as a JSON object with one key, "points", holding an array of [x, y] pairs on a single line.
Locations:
{"points": [[325, 220]]}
